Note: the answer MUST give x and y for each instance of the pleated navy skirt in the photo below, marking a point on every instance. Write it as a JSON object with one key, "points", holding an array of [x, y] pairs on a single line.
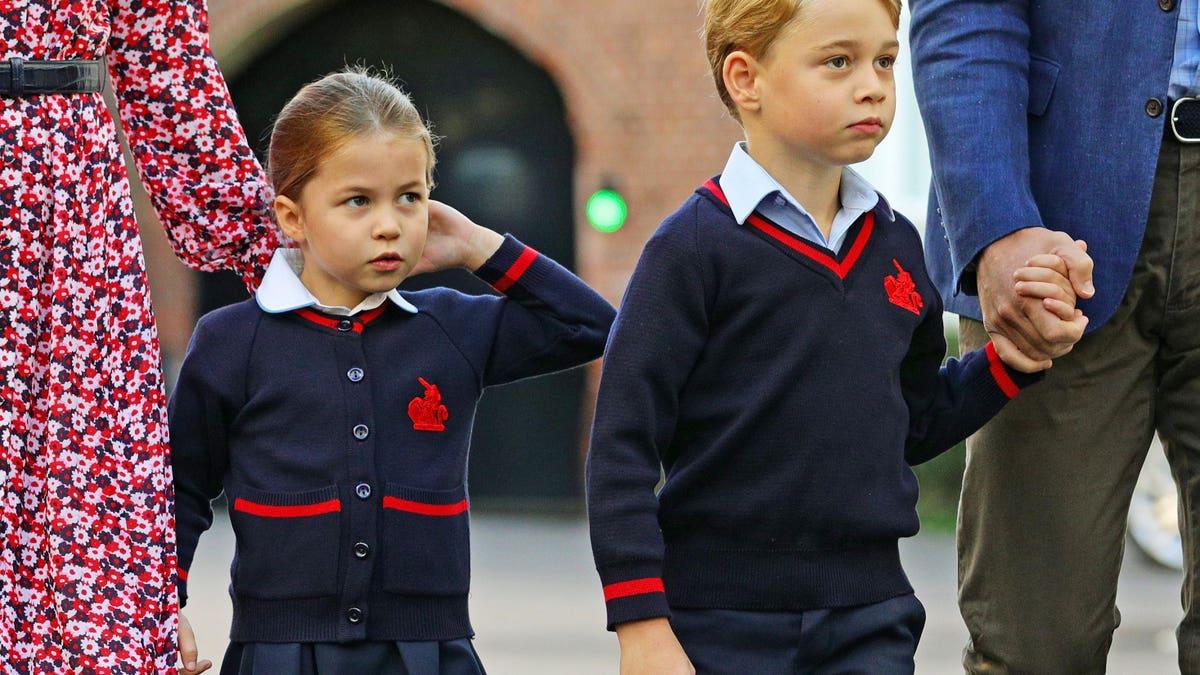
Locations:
{"points": [[452, 657]]}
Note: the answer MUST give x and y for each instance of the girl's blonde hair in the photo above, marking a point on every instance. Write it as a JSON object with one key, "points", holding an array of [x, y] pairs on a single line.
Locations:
{"points": [[751, 26], [329, 113]]}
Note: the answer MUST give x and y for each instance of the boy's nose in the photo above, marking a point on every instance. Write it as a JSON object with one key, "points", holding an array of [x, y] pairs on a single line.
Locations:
{"points": [[388, 226]]}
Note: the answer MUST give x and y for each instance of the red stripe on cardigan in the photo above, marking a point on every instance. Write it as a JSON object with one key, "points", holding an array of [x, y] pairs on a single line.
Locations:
{"points": [[425, 509], [357, 321], [999, 373], [299, 511], [791, 241], [513, 274], [625, 589]]}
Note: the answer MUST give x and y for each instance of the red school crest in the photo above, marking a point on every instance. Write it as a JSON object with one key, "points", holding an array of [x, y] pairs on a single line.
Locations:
{"points": [[901, 290], [428, 413]]}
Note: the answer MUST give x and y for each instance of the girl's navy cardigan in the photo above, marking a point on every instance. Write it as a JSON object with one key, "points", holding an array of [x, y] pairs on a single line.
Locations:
{"points": [[341, 445], [784, 391]]}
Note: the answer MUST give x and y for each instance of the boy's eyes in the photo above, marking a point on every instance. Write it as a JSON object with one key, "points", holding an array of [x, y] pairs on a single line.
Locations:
{"points": [[843, 62], [357, 201], [410, 198]]}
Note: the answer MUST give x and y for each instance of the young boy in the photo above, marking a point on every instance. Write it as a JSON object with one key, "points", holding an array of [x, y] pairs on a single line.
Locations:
{"points": [[777, 356]]}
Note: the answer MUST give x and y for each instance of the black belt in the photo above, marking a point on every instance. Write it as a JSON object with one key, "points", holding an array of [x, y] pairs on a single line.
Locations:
{"points": [[19, 77], [1183, 122]]}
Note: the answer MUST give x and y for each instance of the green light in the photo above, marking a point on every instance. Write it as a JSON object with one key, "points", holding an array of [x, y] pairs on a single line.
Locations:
{"points": [[606, 210]]}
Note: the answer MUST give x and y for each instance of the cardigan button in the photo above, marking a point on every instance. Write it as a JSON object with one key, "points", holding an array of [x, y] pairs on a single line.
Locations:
{"points": [[355, 374], [363, 491], [354, 615], [362, 549], [361, 432], [345, 325]]}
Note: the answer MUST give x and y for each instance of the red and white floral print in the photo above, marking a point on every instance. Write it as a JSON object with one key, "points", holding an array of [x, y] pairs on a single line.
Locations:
{"points": [[86, 528]]}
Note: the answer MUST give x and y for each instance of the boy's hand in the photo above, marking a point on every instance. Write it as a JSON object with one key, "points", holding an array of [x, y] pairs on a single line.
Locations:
{"points": [[1045, 277], [455, 241], [650, 647], [187, 650]]}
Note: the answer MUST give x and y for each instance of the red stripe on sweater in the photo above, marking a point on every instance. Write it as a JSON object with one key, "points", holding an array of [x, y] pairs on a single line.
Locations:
{"points": [[425, 509], [299, 511], [999, 373], [625, 589], [513, 274]]}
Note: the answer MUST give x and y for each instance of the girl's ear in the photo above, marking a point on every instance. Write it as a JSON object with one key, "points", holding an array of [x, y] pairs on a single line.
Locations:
{"points": [[290, 218], [740, 72]]}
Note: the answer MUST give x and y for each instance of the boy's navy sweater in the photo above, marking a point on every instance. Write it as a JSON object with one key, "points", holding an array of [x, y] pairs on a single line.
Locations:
{"points": [[341, 444], [785, 391]]}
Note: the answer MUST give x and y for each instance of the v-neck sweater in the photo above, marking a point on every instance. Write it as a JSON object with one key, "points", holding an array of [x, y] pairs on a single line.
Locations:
{"points": [[785, 391]]}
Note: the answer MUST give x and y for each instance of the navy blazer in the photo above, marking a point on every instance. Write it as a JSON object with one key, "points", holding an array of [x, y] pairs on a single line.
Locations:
{"points": [[1039, 113]]}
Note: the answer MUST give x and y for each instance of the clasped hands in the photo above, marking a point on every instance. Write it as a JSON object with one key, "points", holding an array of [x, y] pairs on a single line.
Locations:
{"points": [[1028, 282]]}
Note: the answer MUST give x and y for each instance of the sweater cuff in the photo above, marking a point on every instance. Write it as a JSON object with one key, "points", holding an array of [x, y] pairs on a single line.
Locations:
{"points": [[512, 266], [181, 576], [633, 592], [1010, 380]]}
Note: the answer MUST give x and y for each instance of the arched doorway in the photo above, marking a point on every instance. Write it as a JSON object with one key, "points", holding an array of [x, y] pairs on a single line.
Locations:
{"points": [[505, 158]]}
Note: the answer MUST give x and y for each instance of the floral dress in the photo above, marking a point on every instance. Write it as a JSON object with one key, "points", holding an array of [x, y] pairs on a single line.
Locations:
{"points": [[87, 558]]}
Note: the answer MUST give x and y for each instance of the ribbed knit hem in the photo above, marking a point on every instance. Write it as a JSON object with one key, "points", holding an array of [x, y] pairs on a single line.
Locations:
{"points": [[385, 617], [633, 591], [772, 580]]}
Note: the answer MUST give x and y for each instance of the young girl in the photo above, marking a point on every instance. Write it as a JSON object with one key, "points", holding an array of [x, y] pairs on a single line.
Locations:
{"points": [[335, 412]]}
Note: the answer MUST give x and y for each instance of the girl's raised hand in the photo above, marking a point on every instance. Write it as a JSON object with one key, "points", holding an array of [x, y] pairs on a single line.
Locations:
{"points": [[455, 241]]}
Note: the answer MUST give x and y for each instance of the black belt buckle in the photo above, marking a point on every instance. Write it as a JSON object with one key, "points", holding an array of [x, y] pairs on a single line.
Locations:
{"points": [[1185, 119]]}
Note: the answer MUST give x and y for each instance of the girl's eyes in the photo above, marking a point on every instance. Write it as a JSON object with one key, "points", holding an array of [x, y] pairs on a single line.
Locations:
{"points": [[885, 62], [357, 201], [838, 63]]}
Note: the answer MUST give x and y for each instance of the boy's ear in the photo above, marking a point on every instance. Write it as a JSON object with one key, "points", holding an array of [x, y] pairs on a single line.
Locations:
{"points": [[740, 72], [290, 218]]}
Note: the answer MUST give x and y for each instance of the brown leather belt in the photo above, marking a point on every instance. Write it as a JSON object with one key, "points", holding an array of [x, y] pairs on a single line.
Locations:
{"points": [[19, 77]]}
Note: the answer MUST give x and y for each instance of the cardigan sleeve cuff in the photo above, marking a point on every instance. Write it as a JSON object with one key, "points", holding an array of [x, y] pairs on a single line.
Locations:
{"points": [[513, 265], [633, 592], [1010, 380], [181, 576]]}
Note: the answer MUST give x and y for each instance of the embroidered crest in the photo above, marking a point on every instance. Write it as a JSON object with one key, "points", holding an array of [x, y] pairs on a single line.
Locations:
{"points": [[428, 413], [901, 290]]}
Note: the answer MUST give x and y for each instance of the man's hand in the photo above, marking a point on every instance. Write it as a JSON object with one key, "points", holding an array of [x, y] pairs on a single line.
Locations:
{"points": [[1026, 335]]}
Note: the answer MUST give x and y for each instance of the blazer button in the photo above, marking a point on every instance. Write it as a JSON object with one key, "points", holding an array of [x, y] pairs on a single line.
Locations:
{"points": [[1154, 107], [1166, 5], [361, 432], [354, 615], [345, 325], [363, 491], [362, 550], [355, 374]]}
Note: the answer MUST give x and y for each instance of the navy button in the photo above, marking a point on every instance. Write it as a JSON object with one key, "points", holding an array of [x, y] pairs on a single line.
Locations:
{"points": [[362, 490], [354, 615], [361, 432], [345, 325], [355, 374], [362, 549]]}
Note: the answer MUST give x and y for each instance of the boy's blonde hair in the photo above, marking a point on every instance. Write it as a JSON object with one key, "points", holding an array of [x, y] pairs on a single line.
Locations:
{"points": [[329, 113], [751, 26]]}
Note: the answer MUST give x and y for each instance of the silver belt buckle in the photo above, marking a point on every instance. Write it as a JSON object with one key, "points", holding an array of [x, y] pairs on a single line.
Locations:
{"points": [[1185, 119]]}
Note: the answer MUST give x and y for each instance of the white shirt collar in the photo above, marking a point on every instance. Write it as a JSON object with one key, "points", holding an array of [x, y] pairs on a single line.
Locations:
{"points": [[746, 183], [282, 291]]}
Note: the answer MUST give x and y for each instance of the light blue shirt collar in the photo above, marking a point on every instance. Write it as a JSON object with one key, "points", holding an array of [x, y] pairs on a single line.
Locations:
{"points": [[747, 186], [282, 291]]}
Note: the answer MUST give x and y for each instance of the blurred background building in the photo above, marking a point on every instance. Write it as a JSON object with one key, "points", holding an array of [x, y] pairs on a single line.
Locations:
{"points": [[539, 104]]}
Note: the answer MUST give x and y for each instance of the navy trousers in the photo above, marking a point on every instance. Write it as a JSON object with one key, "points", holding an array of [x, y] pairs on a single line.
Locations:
{"points": [[879, 639], [452, 657]]}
